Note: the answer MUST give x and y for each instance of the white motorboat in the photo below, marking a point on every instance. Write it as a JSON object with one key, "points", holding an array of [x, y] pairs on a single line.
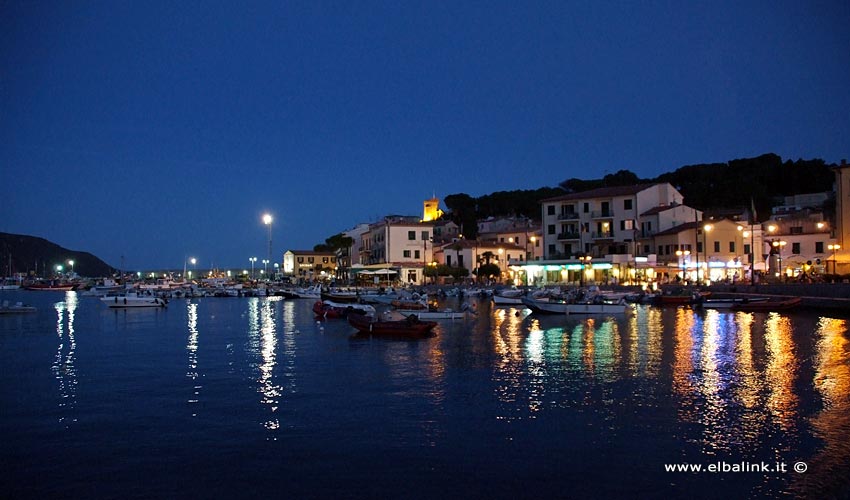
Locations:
{"points": [[133, 300], [579, 307]]}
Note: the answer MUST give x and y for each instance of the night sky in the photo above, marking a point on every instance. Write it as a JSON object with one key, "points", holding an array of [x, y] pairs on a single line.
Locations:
{"points": [[163, 130]]}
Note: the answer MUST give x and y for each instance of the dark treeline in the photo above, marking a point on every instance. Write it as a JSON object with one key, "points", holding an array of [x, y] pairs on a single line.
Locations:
{"points": [[715, 186]]}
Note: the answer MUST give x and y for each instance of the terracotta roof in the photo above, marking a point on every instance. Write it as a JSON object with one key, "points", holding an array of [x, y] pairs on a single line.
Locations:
{"points": [[604, 192]]}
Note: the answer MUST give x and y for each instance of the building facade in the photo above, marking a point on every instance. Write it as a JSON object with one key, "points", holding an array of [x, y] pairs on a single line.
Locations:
{"points": [[307, 265]]}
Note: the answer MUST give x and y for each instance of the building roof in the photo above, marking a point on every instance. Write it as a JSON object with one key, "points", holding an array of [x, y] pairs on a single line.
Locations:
{"points": [[605, 192], [310, 252], [687, 226], [659, 209]]}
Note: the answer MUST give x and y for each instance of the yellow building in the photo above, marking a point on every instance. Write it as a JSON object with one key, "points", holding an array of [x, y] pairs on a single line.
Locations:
{"points": [[431, 210], [309, 265]]}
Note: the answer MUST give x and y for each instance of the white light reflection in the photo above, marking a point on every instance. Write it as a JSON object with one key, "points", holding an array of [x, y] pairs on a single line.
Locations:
{"points": [[263, 335], [63, 366], [192, 349]]}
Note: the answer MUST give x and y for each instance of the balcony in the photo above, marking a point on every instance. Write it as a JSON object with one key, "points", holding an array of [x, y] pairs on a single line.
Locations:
{"points": [[602, 214], [569, 235], [604, 235], [568, 216]]}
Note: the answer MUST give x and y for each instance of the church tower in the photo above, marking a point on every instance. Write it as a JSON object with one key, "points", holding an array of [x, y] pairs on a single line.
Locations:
{"points": [[431, 210]]}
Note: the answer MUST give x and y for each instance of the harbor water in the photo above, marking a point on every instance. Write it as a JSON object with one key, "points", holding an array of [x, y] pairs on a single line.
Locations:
{"points": [[253, 397]]}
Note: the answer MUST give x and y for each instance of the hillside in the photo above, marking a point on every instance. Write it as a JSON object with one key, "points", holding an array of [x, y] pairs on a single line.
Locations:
{"points": [[30, 254]]}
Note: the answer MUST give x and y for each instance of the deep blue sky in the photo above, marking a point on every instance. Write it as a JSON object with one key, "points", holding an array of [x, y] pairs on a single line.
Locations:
{"points": [[160, 130]]}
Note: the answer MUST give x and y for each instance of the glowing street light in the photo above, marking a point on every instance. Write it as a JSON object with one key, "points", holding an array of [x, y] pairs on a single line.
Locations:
{"points": [[267, 220], [833, 248], [583, 259], [192, 261], [682, 255], [778, 244], [265, 266], [71, 263], [252, 259]]}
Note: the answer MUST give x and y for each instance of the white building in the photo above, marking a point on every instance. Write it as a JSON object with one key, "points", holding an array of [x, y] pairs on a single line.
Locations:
{"points": [[402, 241], [606, 221]]}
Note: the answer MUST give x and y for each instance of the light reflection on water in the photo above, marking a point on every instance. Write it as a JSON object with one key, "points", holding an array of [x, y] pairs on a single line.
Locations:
{"points": [[63, 365], [192, 349], [263, 341], [667, 384]]}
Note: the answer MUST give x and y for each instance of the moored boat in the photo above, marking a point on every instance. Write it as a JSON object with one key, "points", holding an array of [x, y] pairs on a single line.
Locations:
{"points": [[769, 305], [17, 308], [133, 300], [552, 306], [681, 299], [52, 286], [331, 309], [410, 327], [730, 302]]}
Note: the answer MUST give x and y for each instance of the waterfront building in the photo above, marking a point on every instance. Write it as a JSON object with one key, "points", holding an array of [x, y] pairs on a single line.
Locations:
{"points": [[308, 265], [606, 234], [403, 241], [798, 238], [520, 231], [471, 254]]}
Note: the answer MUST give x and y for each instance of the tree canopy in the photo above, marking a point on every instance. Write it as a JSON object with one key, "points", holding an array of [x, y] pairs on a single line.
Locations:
{"points": [[713, 186]]}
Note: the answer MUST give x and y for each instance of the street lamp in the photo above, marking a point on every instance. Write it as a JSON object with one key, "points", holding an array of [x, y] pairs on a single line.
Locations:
{"points": [[265, 266], [583, 259], [58, 268], [778, 244], [682, 254], [252, 259], [706, 229], [192, 261], [71, 263], [501, 252], [833, 248], [267, 220]]}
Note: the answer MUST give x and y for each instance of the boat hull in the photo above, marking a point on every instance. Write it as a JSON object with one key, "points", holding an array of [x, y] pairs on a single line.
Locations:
{"points": [[407, 328], [133, 302], [768, 305]]}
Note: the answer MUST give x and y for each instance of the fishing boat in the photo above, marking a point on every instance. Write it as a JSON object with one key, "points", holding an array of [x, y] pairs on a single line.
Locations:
{"points": [[17, 308], [730, 302], [683, 298], [52, 286], [508, 296], [340, 296], [769, 305], [7, 284], [429, 314], [410, 327], [331, 309], [129, 300]]}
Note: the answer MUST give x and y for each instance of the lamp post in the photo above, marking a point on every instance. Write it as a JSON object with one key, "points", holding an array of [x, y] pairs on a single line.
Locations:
{"points": [[252, 259], [265, 266], [501, 253], [58, 268], [583, 259], [833, 248], [706, 229], [192, 261], [778, 244], [267, 220], [682, 254], [71, 263]]}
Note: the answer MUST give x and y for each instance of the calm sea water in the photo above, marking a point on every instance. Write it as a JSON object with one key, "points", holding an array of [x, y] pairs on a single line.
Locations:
{"points": [[253, 397]]}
